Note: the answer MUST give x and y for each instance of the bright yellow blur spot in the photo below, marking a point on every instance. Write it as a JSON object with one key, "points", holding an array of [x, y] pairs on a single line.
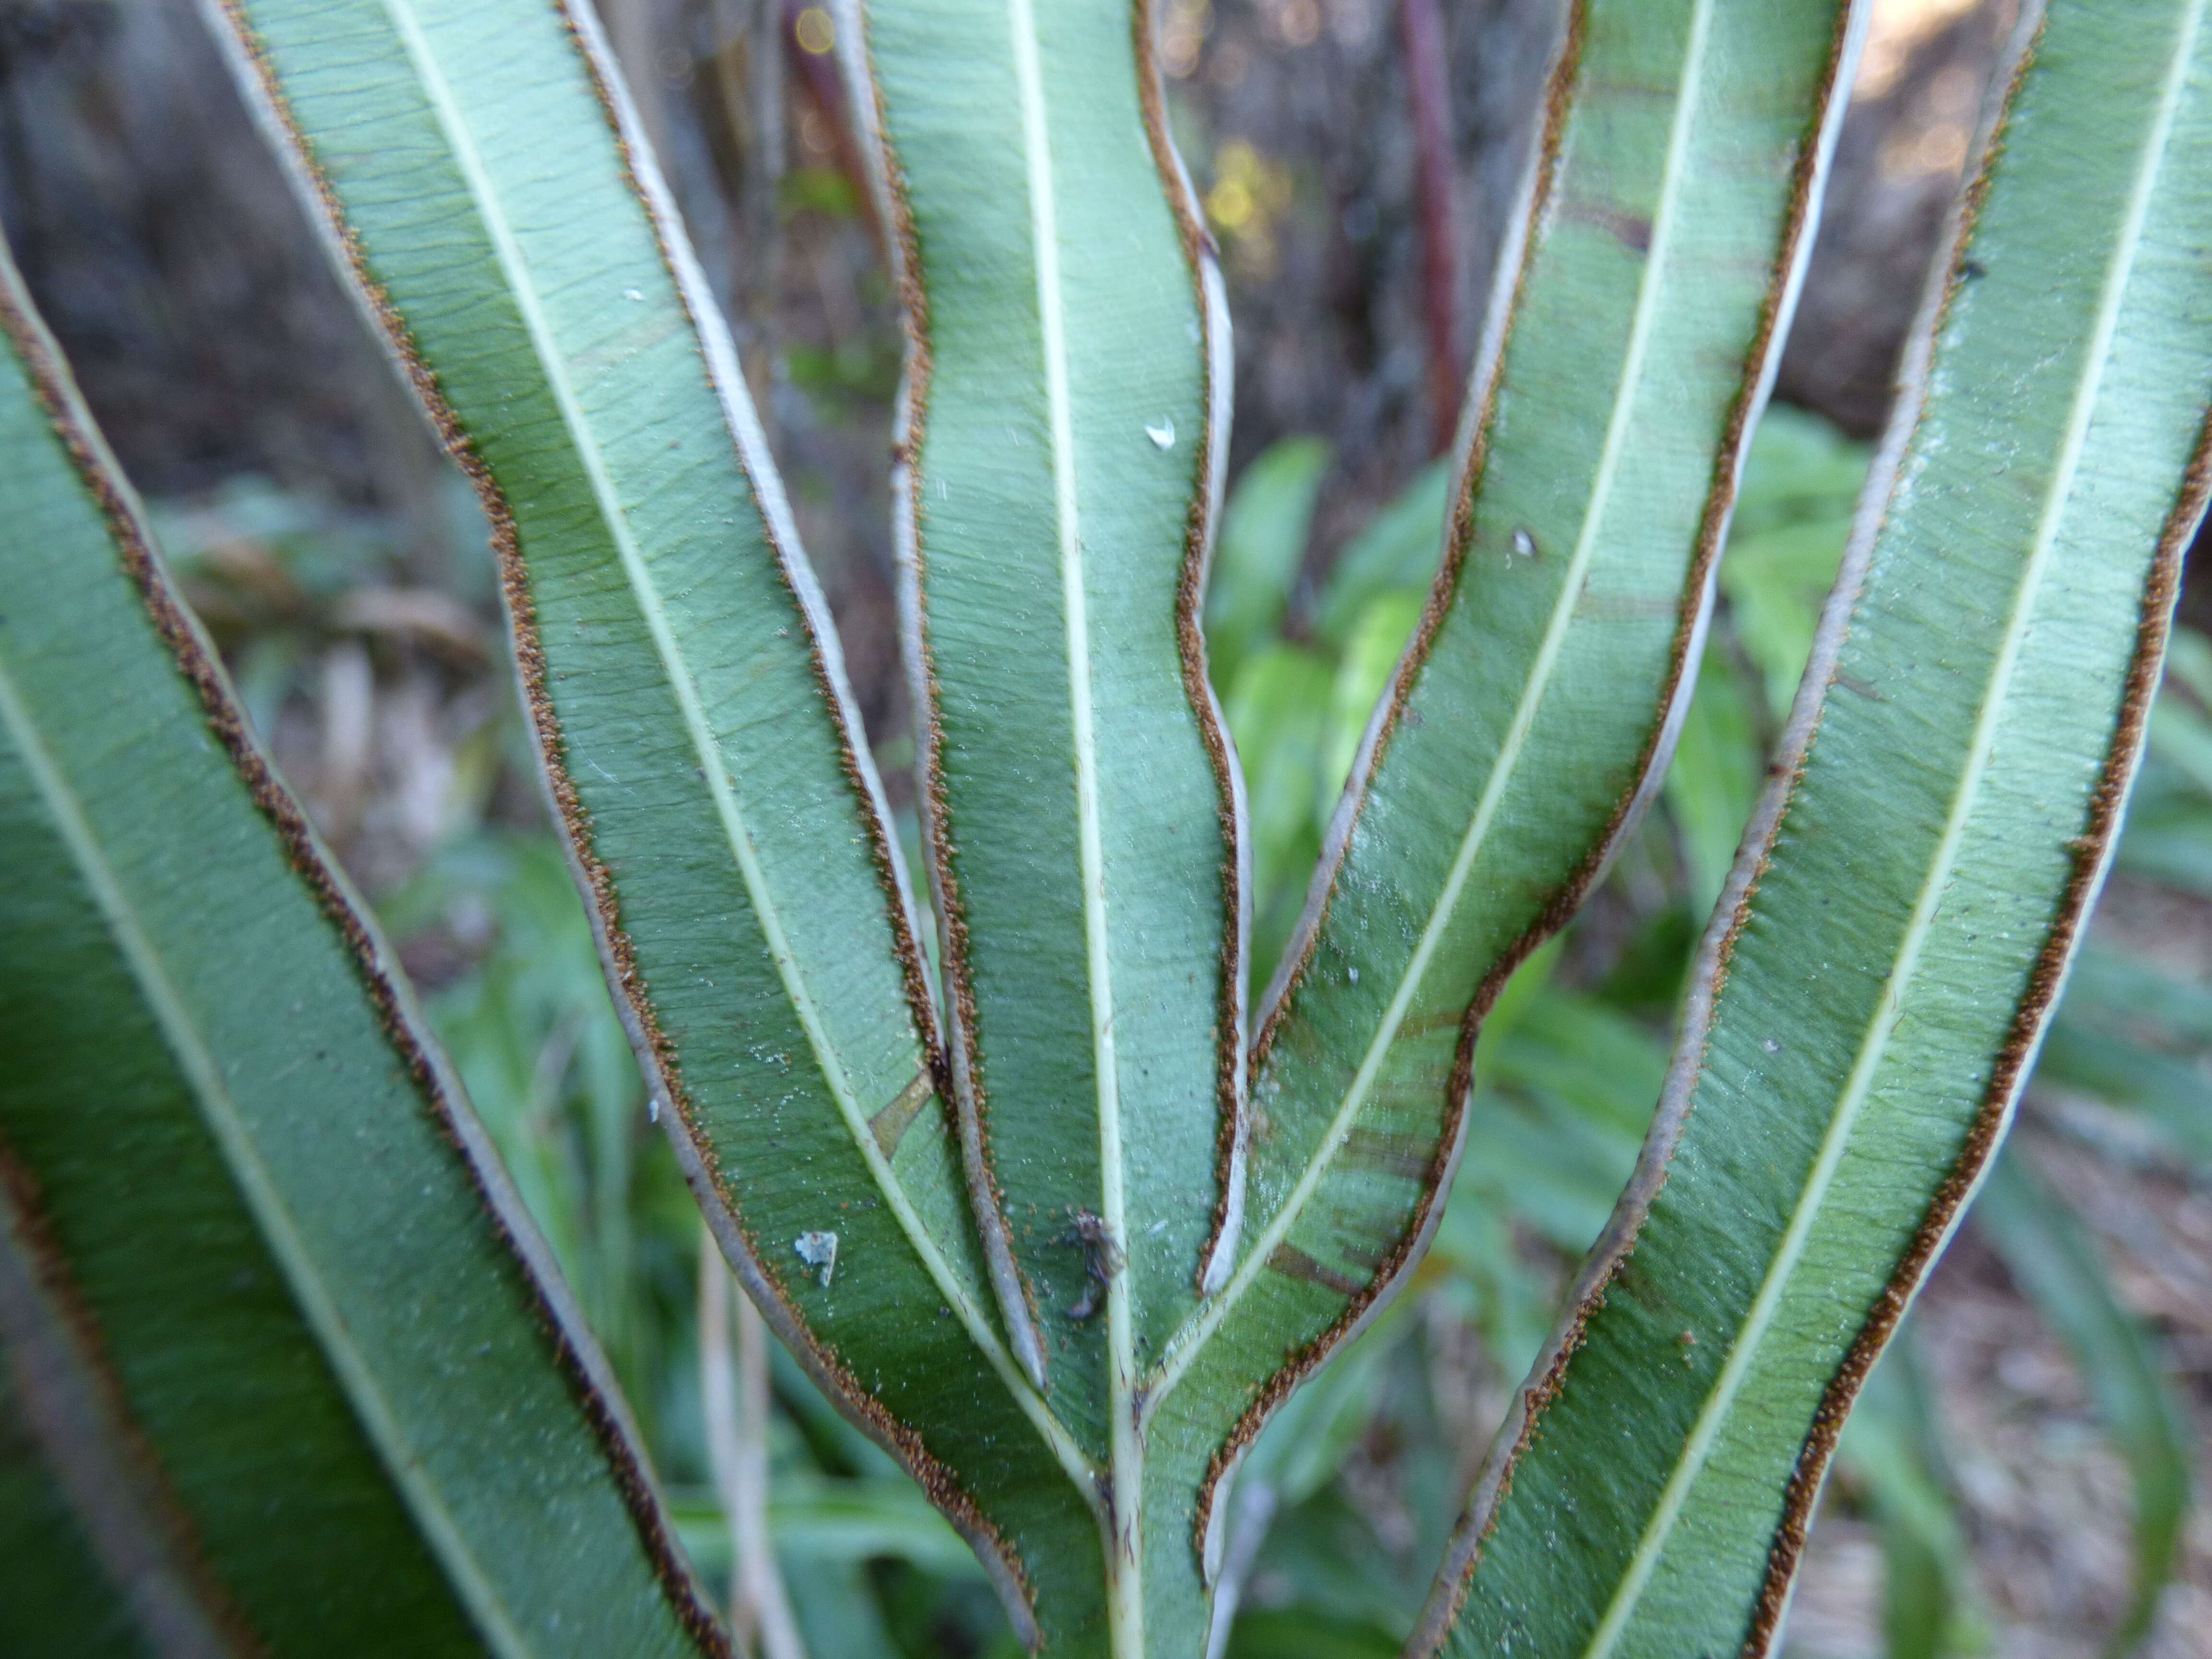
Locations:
{"points": [[1899, 26], [815, 32]]}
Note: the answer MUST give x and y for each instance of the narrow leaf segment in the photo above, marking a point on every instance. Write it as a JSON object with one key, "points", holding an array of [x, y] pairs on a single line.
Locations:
{"points": [[1888, 950], [1060, 461], [486, 185], [1638, 313], [261, 1261]]}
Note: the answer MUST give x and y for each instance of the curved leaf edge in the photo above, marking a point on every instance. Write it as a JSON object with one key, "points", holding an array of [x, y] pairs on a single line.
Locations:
{"points": [[573, 1350], [655, 1052], [887, 186], [2093, 855], [1763, 359], [1016, 1300], [1204, 254]]}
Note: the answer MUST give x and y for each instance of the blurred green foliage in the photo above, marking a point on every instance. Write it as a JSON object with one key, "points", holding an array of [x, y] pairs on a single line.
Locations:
{"points": [[1343, 1506], [1369, 1465]]}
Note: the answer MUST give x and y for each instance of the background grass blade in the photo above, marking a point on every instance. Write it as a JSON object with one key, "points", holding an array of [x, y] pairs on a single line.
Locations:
{"points": [[1880, 968], [1637, 318], [279, 1239], [479, 167], [2050, 1254], [1264, 529], [1889, 1446], [2168, 1092]]}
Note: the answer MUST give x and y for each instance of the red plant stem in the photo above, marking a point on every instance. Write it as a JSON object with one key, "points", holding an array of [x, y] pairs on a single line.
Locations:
{"points": [[1421, 35]]}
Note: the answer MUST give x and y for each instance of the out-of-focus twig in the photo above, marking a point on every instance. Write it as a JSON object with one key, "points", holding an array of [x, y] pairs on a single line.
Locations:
{"points": [[813, 59], [342, 772], [1255, 1502], [733, 1390], [634, 29], [1421, 36], [737, 98]]}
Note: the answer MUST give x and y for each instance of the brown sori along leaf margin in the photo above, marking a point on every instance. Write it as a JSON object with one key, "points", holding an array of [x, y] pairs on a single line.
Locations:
{"points": [[1204, 255], [1673, 704], [2092, 854], [655, 1052]]}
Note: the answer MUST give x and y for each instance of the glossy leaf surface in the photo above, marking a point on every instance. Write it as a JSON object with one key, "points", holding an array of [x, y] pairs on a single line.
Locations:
{"points": [[1880, 969], [307, 1373], [501, 207], [1639, 308]]}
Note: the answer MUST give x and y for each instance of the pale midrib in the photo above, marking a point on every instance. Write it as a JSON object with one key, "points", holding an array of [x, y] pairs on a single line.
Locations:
{"points": [[543, 336], [1189, 1342], [1890, 1009], [1125, 1603], [403, 1462]]}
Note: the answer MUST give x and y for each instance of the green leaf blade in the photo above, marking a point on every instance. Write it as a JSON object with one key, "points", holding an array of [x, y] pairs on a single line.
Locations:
{"points": [[1061, 457], [1058, 500], [1517, 738], [1888, 950], [498, 204], [254, 1204]]}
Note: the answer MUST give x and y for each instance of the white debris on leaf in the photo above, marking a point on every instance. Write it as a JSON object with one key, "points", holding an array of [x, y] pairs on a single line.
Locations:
{"points": [[1163, 434], [818, 1250]]}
